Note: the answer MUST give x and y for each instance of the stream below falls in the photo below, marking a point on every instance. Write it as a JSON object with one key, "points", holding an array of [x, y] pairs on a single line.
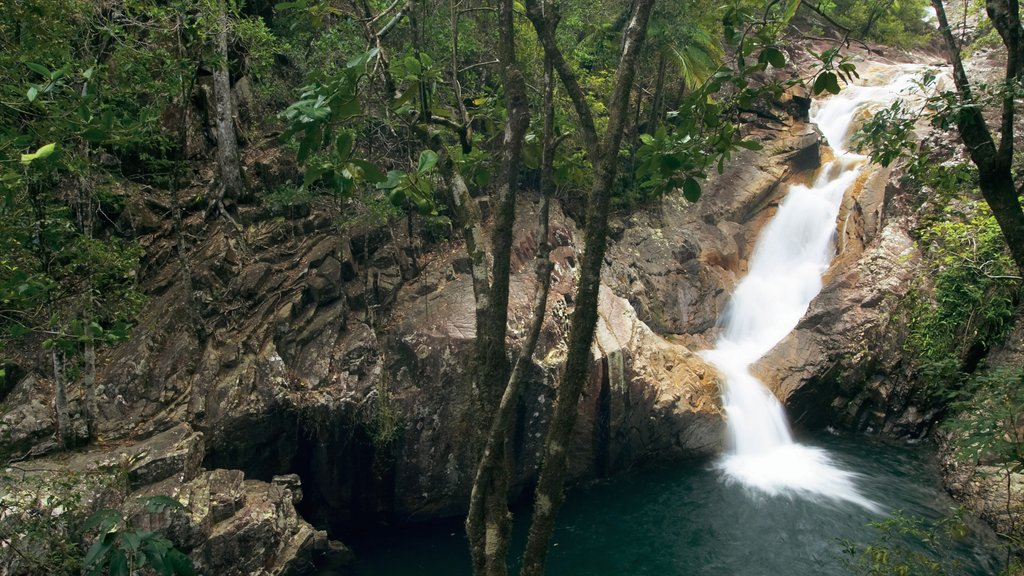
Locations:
{"points": [[683, 520]]}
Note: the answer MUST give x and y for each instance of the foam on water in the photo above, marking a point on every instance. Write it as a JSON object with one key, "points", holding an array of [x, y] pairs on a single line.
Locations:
{"points": [[792, 253]]}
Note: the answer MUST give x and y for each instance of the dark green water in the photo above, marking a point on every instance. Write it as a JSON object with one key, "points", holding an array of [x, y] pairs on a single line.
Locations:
{"points": [[684, 520]]}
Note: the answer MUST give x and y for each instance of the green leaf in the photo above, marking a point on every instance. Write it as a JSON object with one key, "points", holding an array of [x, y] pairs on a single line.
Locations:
{"points": [[33, 91], [774, 56], [359, 62], [118, 563], [180, 563], [370, 172], [310, 142], [343, 145], [94, 134], [99, 549], [791, 8], [39, 69], [750, 144], [820, 83], [313, 173], [647, 139], [691, 190], [160, 503], [394, 180], [43, 152], [832, 83], [397, 197], [428, 159]]}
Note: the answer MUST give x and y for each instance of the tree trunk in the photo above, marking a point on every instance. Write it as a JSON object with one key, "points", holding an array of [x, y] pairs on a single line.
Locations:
{"points": [[60, 402], [489, 523], [995, 165], [228, 162], [545, 22], [90, 379], [549, 495], [658, 99]]}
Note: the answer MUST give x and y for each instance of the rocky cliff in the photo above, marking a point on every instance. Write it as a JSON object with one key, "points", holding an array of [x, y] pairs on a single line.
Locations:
{"points": [[332, 361]]}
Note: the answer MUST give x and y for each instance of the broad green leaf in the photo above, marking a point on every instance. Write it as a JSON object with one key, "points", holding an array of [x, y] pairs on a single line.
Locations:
{"points": [[100, 548], [831, 83], [313, 173], [94, 134], [395, 178], [428, 159], [397, 197], [32, 93], [820, 82], [343, 145], [691, 190], [348, 108], [310, 142], [359, 62], [180, 563], [775, 57], [118, 563], [750, 144]]}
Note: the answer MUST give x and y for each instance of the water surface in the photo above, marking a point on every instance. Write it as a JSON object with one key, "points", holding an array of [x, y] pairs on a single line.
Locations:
{"points": [[685, 519]]}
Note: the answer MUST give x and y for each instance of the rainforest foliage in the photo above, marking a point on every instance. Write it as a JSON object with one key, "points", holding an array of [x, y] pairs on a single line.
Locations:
{"points": [[400, 112]]}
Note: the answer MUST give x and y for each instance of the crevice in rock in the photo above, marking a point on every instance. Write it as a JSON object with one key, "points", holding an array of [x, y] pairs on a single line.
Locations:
{"points": [[348, 480], [602, 426]]}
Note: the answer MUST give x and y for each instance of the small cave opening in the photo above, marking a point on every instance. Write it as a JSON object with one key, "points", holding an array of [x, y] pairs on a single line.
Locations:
{"points": [[348, 480]]}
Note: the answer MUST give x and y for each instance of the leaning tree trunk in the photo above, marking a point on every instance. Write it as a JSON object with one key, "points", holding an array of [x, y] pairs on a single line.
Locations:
{"points": [[228, 163], [549, 494], [995, 164]]}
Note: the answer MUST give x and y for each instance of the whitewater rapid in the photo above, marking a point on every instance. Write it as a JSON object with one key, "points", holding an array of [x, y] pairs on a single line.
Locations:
{"points": [[792, 253]]}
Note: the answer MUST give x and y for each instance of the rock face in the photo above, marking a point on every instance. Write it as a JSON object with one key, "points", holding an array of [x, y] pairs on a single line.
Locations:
{"points": [[323, 373], [229, 525]]}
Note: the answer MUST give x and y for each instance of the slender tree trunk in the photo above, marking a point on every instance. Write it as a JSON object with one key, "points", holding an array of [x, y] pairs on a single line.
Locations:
{"points": [[875, 14], [90, 380], [658, 98], [228, 161], [60, 402], [995, 165], [545, 21], [181, 244], [489, 524], [549, 494]]}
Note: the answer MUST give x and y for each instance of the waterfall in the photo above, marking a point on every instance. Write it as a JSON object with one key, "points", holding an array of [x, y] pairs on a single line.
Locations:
{"points": [[785, 270]]}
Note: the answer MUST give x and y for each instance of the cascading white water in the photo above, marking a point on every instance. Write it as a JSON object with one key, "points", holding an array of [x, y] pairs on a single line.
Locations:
{"points": [[792, 253]]}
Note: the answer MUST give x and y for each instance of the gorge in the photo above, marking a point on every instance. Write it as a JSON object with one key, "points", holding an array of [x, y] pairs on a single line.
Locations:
{"points": [[267, 270], [770, 505]]}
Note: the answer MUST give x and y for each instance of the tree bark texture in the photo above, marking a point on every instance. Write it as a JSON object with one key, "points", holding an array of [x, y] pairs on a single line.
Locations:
{"points": [[489, 523], [228, 160], [60, 401], [549, 493], [545, 22]]}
